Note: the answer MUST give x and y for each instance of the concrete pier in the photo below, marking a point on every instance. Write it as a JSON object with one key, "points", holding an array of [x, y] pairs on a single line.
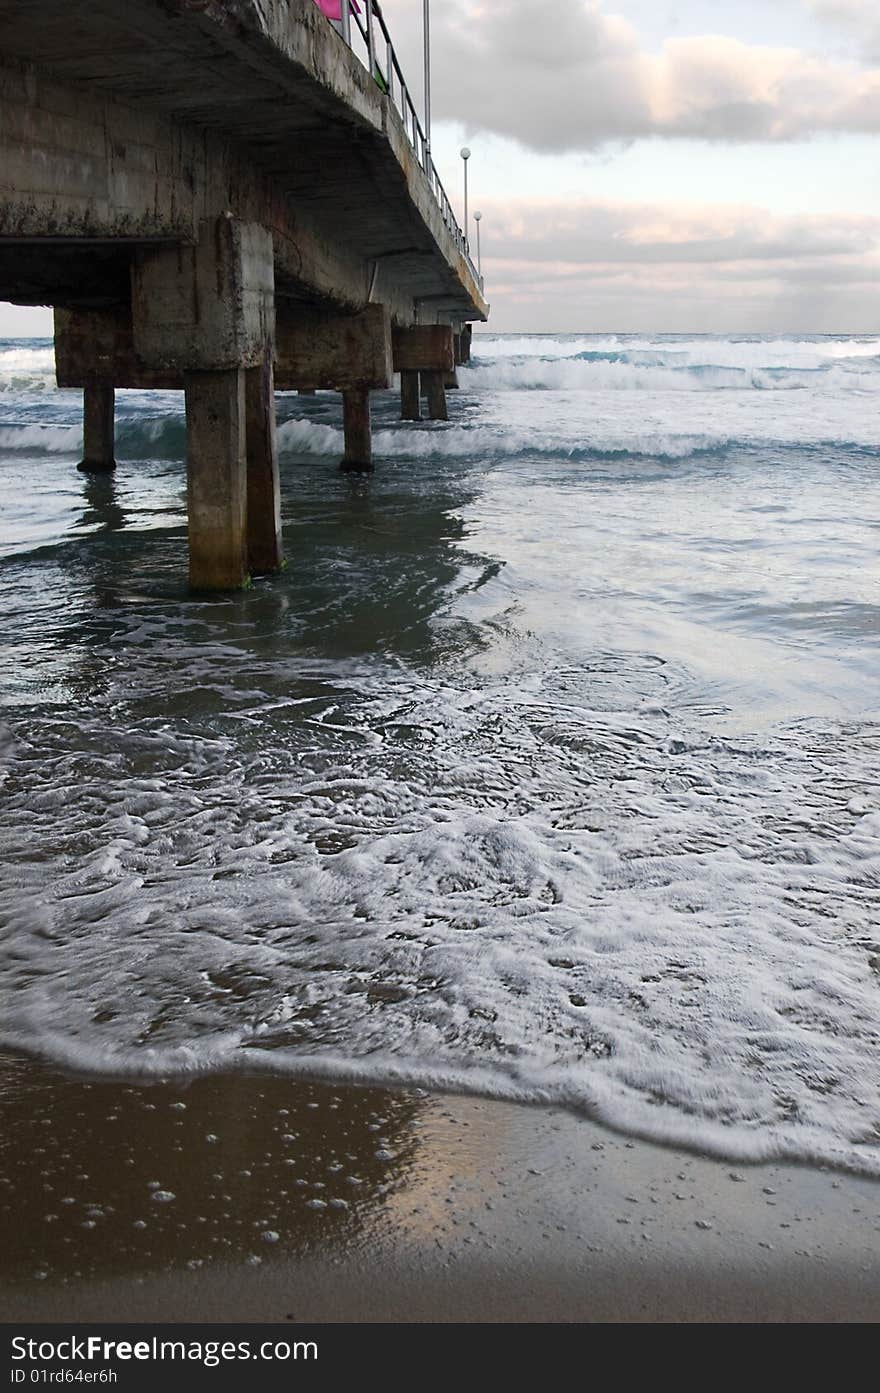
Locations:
{"points": [[205, 190], [423, 355], [99, 428]]}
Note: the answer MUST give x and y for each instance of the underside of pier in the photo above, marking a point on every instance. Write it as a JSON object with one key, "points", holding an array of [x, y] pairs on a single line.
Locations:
{"points": [[216, 195]]}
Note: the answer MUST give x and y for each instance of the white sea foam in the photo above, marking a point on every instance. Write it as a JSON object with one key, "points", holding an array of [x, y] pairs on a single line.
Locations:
{"points": [[592, 820], [748, 353], [631, 375], [36, 439], [436, 441], [586, 907], [27, 368]]}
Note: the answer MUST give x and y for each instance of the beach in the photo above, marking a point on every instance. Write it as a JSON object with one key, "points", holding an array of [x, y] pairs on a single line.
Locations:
{"points": [[313, 1203], [478, 919]]}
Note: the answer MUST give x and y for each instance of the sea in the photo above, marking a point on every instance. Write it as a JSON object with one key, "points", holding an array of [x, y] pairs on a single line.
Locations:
{"points": [[548, 769]]}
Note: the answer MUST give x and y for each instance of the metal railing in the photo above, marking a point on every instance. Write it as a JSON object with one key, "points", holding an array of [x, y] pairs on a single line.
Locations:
{"points": [[366, 33]]}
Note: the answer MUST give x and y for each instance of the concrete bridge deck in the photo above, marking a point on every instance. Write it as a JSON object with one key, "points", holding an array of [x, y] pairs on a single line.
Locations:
{"points": [[212, 192]]}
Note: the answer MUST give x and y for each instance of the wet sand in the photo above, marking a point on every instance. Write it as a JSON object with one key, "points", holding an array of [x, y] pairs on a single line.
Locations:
{"points": [[258, 1198]]}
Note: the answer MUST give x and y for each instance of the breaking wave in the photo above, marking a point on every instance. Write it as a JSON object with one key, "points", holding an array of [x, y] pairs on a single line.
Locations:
{"points": [[632, 372], [660, 349], [165, 438], [27, 367]]}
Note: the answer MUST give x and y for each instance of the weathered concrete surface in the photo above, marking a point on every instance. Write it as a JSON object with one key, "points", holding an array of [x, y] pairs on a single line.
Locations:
{"points": [[358, 455], [425, 348], [138, 122], [99, 343], [410, 400], [216, 479], [211, 305], [432, 385], [99, 428], [264, 546], [313, 349]]}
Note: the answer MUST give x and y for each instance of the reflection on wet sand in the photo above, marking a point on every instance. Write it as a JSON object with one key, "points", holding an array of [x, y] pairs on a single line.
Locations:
{"points": [[109, 1179]]}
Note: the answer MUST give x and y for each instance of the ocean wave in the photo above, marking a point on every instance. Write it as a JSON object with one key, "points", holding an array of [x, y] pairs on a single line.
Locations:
{"points": [[476, 442], [165, 438], [27, 369], [162, 437], [490, 442], [747, 352], [35, 439], [641, 372]]}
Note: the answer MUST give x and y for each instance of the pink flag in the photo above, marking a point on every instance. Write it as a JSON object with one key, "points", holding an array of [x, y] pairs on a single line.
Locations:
{"points": [[333, 8]]}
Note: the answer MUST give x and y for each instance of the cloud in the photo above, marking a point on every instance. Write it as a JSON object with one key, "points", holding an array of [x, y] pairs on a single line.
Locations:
{"points": [[859, 18], [575, 76], [584, 229], [569, 264]]}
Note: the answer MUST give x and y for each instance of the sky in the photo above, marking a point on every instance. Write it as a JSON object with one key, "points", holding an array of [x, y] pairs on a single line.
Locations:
{"points": [[657, 165]]}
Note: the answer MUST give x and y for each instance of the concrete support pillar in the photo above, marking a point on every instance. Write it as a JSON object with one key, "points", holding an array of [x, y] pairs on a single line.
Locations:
{"points": [[356, 424], [436, 394], [450, 380], [410, 406], [216, 478], [264, 547], [207, 311], [423, 354], [99, 402]]}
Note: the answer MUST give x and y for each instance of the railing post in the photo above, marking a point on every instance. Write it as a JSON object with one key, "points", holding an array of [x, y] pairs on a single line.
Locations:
{"points": [[345, 15], [371, 48], [389, 64], [426, 22]]}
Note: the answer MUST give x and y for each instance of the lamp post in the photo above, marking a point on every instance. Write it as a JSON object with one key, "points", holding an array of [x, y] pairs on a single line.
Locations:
{"points": [[477, 217], [426, 24], [465, 155]]}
